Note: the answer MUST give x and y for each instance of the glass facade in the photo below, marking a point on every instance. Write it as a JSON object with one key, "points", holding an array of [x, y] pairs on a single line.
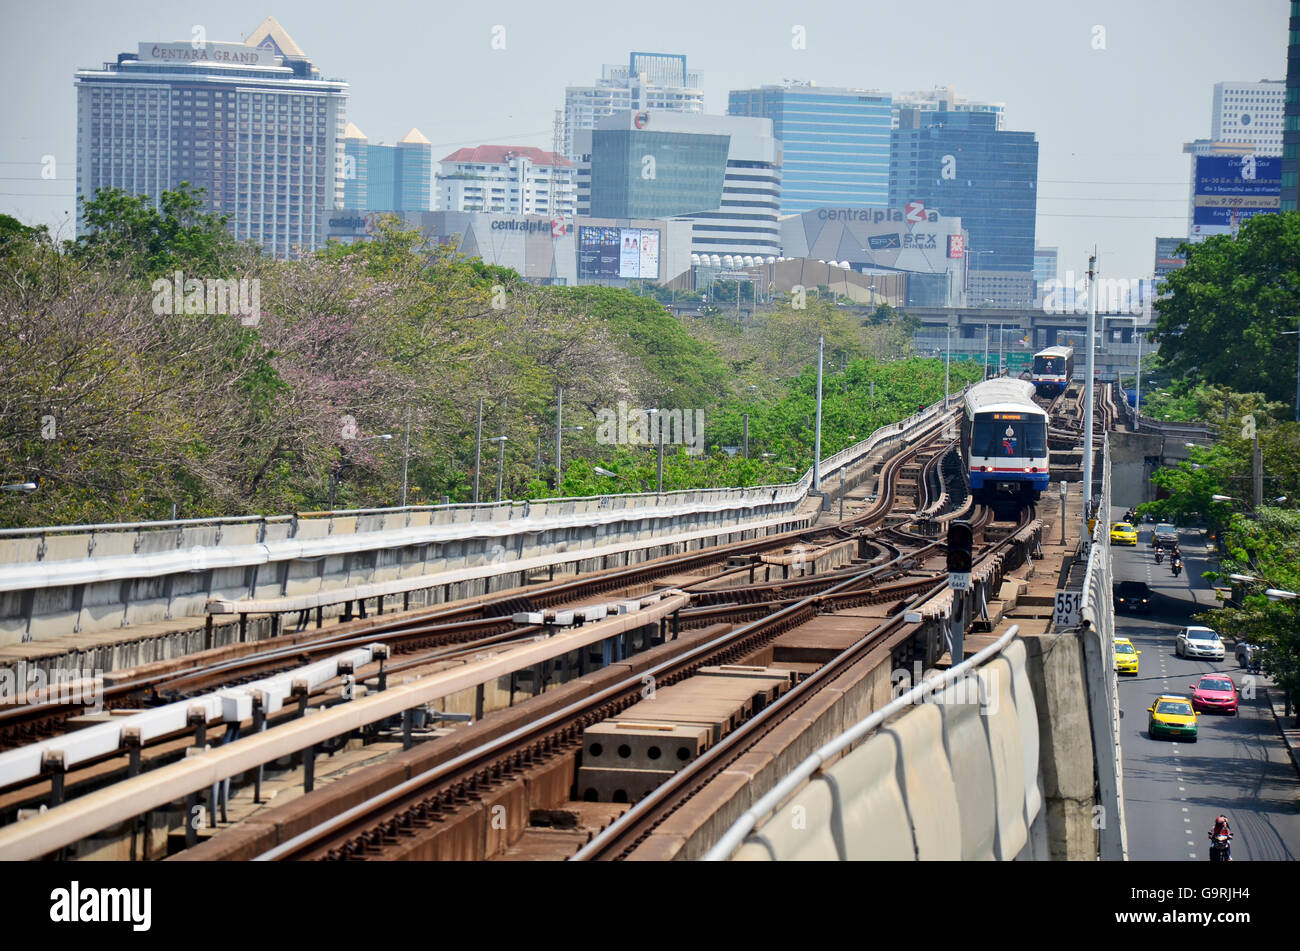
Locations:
{"points": [[637, 174], [387, 177], [355, 173], [1291, 115], [835, 143], [960, 164]]}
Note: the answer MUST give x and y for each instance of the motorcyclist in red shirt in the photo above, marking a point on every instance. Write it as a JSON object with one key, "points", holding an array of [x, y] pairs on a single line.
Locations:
{"points": [[1221, 828]]}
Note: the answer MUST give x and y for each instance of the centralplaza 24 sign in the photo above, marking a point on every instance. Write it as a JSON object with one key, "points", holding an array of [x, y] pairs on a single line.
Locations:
{"points": [[910, 237]]}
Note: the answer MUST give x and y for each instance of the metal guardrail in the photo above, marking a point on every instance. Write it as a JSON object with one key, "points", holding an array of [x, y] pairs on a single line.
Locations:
{"points": [[1098, 635]]}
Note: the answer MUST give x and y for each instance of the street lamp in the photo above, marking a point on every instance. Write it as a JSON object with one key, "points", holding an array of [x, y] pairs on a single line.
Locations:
{"points": [[659, 438], [604, 472], [501, 459], [24, 488], [947, 366]]}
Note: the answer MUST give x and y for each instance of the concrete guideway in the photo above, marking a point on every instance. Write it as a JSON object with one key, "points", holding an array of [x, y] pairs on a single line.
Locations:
{"points": [[88, 814]]}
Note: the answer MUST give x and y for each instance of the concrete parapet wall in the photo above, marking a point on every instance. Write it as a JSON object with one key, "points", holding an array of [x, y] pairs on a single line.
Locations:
{"points": [[1056, 675]]}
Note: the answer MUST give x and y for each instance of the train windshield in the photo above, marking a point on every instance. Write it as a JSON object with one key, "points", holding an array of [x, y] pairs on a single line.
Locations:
{"points": [[1009, 436], [1049, 364]]}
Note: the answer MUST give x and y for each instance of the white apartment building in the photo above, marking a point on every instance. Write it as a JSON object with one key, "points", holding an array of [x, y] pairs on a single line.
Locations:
{"points": [[947, 98], [649, 81], [510, 179], [1250, 113]]}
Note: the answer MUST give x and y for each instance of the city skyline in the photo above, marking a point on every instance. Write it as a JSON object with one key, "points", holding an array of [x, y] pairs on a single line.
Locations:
{"points": [[1070, 65]]}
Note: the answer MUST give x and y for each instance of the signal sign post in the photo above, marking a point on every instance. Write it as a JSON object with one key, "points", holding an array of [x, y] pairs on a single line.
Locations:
{"points": [[960, 548]]}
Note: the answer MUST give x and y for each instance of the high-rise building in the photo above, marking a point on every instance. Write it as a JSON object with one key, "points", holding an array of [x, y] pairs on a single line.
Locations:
{"points": [[386, 177], [658, 81], [1291, 116], [945, 98], [961, 165], [720, 172], [1045, 269], [834, 143], [254, 124], [519, 180], [1250, 113]]}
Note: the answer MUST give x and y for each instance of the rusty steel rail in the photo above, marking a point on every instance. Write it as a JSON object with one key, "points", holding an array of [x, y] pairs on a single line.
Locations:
{"points": [[623, 836]]}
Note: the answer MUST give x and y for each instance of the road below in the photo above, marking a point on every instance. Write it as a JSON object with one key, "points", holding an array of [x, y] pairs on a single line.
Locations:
{"points": [[1238, 766]]}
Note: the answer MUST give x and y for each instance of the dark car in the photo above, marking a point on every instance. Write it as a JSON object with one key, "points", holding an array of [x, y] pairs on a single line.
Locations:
{"points": [[1165, 536], [1132, 596]]}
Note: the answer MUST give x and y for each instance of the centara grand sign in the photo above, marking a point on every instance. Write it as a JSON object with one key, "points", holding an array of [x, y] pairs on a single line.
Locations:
{"points": [[233, 54], [909, 238]]}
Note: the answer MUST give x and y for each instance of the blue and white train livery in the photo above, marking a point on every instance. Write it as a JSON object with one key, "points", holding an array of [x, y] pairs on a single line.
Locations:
{"points": [[1053, 370], [1004, 441]]}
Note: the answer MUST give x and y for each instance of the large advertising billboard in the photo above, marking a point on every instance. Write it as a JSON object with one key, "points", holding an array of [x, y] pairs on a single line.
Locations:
{"points": [[1231, 188], [605, 253]]}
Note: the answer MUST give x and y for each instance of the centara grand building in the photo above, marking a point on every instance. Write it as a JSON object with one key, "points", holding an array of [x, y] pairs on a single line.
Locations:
{"points": [[909, 255]]}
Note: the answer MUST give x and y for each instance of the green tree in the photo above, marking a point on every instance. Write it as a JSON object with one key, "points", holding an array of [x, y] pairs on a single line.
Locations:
{"points": [[1223, 318], [1265, 545], [155, 239]]}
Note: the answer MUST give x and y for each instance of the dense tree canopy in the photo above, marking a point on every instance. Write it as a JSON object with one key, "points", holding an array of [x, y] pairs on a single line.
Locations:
{"points": [[123, 408], [1228, 306]]}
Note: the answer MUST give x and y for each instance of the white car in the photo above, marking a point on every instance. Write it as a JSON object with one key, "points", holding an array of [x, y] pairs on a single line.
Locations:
{"points": [[1198, 642]]}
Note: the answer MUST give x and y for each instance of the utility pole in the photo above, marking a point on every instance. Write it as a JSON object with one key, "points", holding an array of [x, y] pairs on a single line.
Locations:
{"points": [[1257, 471], [817, 447], [1088, 398], [947, 365], [406, 453], [478, 447], [746, 435], [1137, 400], [986, 351], [559, 435]]}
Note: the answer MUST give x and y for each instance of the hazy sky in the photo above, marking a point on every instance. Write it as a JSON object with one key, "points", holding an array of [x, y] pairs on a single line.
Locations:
{"points": [[1110, 122]]}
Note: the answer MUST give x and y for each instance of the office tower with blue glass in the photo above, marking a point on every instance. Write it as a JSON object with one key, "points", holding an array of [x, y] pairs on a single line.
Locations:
{"points": [[387, 177], [834, 142], [960, 164], [721, 173]]}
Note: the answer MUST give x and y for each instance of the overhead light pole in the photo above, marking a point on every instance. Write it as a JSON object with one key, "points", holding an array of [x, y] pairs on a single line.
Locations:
{"points": [[406, 453], [817, 439], [1088, 398], [478, 448], [501, 459], [947, 366], [659, 438], [559, 434]]}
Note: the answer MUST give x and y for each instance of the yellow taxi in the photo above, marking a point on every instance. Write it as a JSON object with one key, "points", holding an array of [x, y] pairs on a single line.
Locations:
{"points": [[1126, 656], [1173, 717], [1122, 533]]}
